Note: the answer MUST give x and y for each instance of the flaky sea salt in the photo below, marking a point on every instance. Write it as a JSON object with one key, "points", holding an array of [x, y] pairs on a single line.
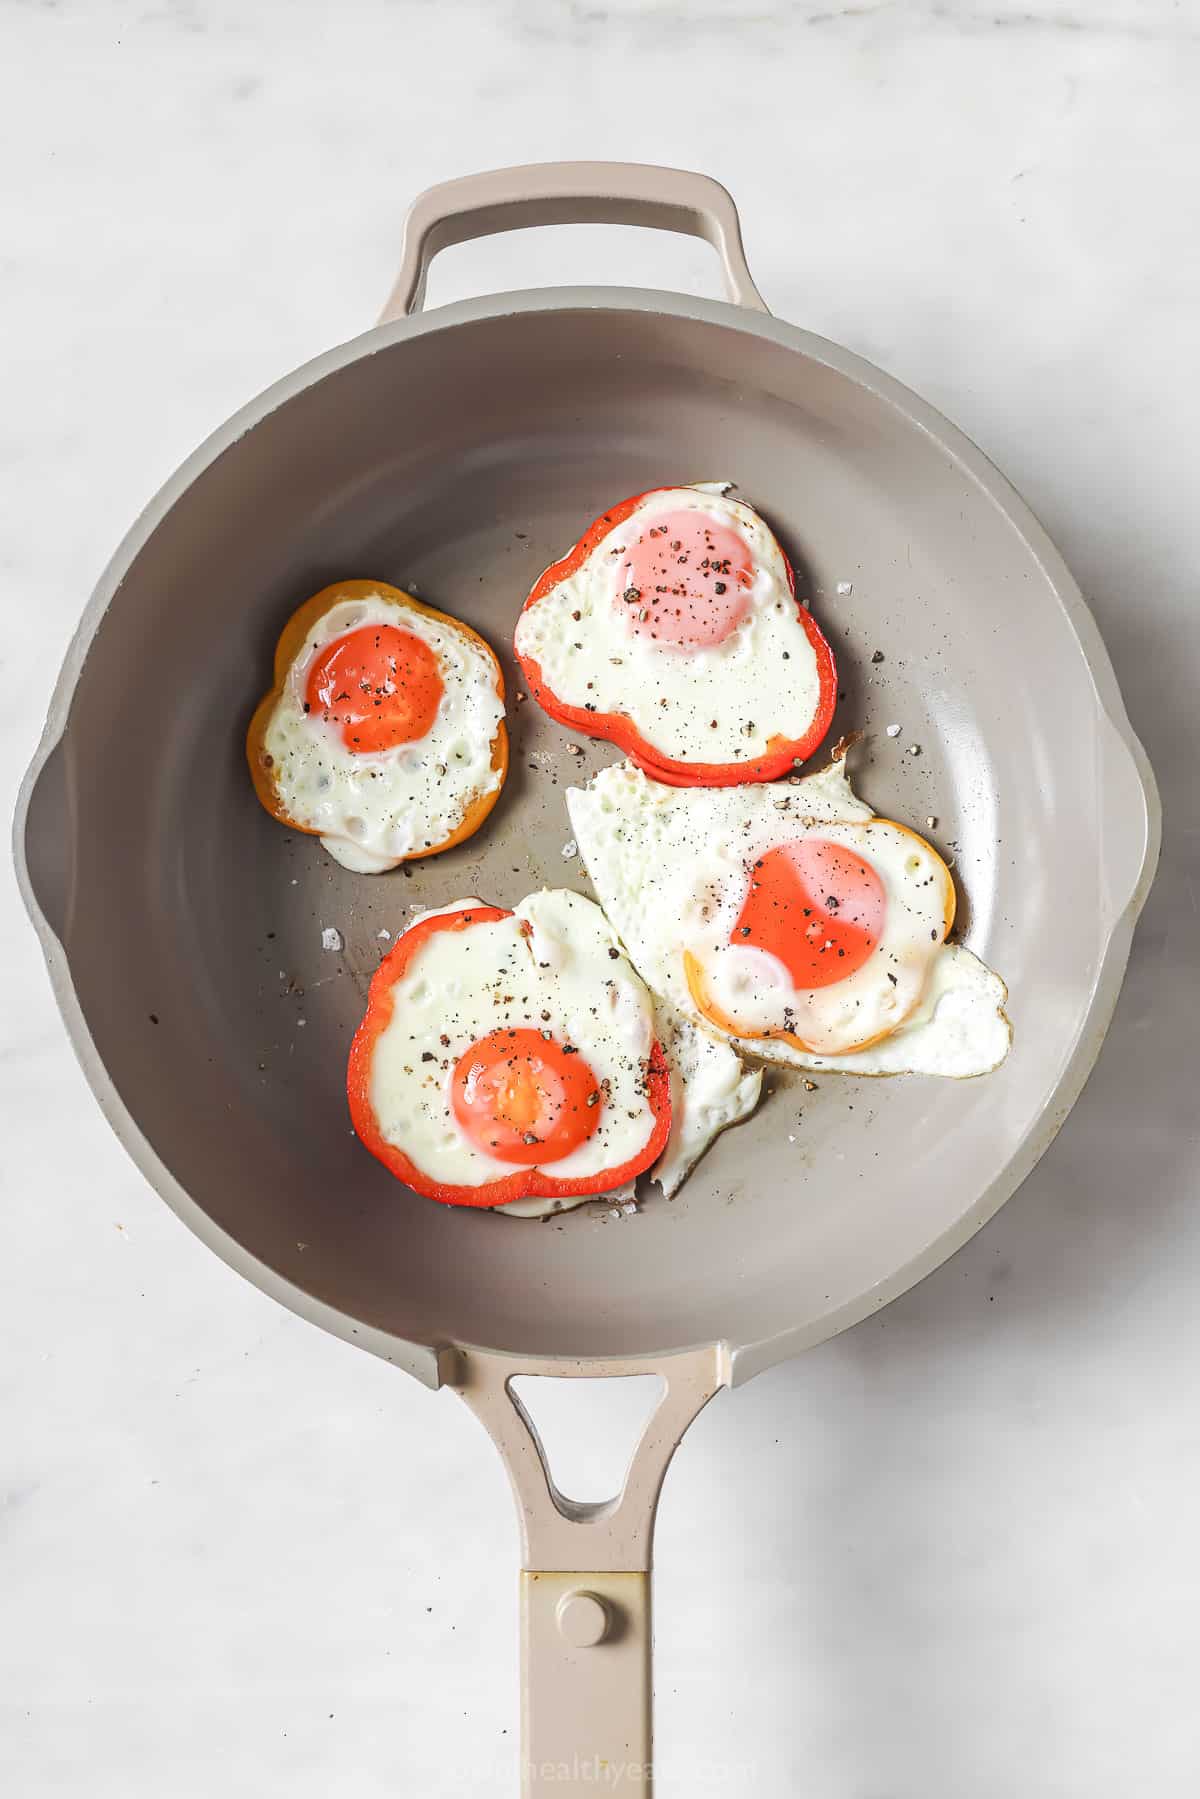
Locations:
{"points": [[331, 938]]}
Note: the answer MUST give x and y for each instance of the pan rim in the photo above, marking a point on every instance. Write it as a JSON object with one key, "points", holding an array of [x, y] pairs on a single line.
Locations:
{"points": [[428, 1362]]}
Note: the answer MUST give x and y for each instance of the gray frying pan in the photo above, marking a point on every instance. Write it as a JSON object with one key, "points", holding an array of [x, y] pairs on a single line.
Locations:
{"points": [[460, 452]]}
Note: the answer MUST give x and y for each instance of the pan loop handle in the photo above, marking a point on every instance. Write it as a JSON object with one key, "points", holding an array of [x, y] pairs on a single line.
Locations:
{"points": [[569, 193]]}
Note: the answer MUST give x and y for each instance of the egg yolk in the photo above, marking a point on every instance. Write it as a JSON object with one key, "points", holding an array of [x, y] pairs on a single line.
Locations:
{"points": [[524, 1097], [817, 907], [685, 581], [382, 685]]}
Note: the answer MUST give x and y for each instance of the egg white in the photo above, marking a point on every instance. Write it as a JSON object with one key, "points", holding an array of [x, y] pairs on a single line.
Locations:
{"points": [[656, 855], [372, 811], [710, 1091], [722, 703]]}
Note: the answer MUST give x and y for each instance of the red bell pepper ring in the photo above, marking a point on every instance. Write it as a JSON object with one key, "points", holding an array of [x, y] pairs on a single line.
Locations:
{"points": [[523, 1183], [782, 753]]}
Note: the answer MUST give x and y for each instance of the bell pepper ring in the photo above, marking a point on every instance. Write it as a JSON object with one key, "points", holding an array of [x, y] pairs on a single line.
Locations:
{"points": [[392, 663], [782, 754]]}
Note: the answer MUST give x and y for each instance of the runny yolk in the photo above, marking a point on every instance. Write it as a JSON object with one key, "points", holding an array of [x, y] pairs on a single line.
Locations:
{"points": [[382, 685], [525, 1098], [685, 581], [816, 906]]}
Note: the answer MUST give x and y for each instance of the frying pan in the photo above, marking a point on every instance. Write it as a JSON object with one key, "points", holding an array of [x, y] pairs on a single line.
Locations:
{"points": [[458, 453]]}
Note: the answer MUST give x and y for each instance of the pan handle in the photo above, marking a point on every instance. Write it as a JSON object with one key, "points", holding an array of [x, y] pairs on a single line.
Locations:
{"points": [[569, 193], [585, 1575]]}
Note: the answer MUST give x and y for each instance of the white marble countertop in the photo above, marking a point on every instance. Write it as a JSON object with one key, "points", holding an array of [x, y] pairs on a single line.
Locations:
{"points": [[952, 1552]]}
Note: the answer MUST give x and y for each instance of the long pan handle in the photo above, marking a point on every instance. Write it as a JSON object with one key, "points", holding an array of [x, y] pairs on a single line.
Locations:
{"points": [[569, 193], [585, 1578]]}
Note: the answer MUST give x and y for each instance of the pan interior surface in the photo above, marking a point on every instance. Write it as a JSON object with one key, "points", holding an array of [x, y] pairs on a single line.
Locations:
{"points": [[458, 462]]}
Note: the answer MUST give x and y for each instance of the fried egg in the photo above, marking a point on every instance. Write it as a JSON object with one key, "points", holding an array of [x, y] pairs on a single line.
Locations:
{"points": [[673, 629], [510, 1055], [384, 732], [552, 934], [792, 921]]}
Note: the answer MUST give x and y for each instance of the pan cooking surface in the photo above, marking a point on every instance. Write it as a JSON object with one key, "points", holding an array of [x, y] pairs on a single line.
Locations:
{"points": [[457, 462]]}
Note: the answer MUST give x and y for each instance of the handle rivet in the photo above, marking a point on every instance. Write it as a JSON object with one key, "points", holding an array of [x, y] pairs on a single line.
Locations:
{"points": [[583, 1619]]}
